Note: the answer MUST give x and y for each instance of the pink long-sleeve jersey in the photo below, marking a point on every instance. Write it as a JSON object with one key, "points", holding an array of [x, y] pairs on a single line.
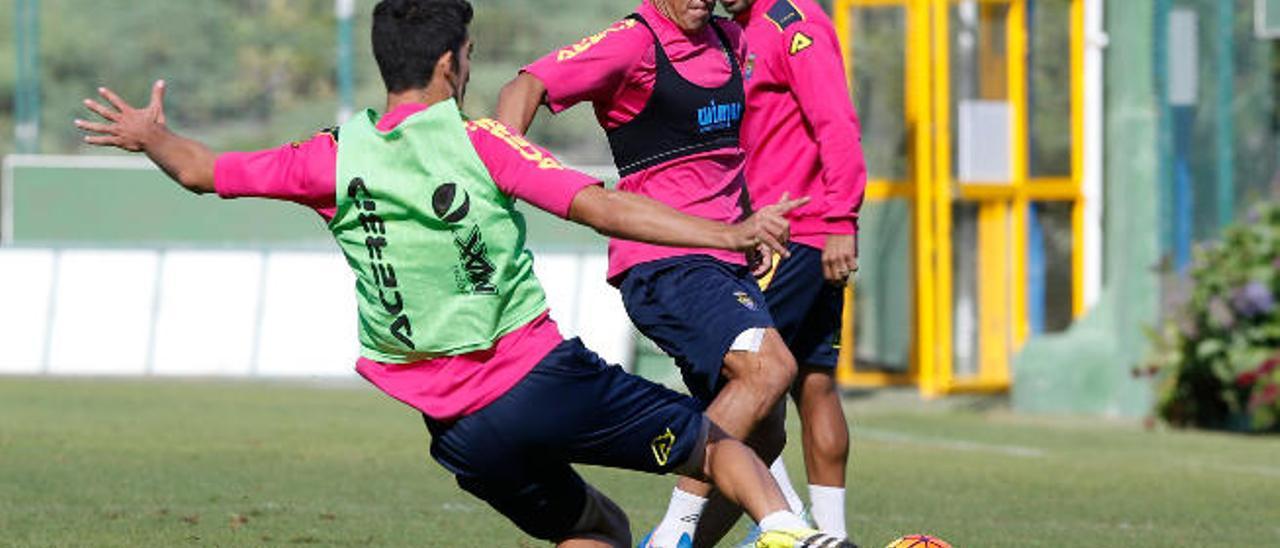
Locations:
{"points": [[800, 130]]}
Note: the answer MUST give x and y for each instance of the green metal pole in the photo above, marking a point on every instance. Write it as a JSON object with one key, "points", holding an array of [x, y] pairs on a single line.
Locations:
{"points": [[26, 127], [19, 98], [345, 10], [1225, 141], [34, 52], [1164, 126], [23, 109]]}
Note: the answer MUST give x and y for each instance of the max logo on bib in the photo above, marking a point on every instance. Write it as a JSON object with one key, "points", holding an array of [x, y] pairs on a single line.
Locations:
{"points": [[474, 272]]}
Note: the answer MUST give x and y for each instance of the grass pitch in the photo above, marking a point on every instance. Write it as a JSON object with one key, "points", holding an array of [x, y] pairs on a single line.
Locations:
{"points": [[94, 462]]}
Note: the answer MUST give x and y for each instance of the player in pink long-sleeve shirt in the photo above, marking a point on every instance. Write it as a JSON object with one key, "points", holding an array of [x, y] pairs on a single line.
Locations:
{"points": [[667, 86], [509, 403], [801, 136]]}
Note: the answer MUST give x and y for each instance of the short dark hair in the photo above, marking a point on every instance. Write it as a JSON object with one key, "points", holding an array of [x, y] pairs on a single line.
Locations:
{"points": [[409, 36]]}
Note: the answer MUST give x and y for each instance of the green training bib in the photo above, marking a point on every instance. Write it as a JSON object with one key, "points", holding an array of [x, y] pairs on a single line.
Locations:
{"points": [[438, 250]]}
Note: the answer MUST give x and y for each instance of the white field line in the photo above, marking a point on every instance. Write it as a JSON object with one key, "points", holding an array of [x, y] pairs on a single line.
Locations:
{"points": [[1018, 451]]}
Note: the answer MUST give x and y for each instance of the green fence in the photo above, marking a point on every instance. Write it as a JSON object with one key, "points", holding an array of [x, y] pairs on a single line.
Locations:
{"points": [[119, 201]]}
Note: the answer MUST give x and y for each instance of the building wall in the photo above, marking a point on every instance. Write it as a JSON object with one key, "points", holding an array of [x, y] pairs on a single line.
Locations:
{"points": [[1087, 369]]}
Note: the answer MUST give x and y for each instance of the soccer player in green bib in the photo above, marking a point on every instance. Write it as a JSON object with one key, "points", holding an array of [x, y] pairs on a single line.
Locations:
{"points": [[452, 320]]}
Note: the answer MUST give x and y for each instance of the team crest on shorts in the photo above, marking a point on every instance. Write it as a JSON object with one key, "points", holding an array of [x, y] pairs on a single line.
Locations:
{"points": [[745, 300], [661, 447]]}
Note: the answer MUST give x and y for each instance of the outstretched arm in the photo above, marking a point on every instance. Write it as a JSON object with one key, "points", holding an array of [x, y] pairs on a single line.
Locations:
{"points": [[633, 217], [528, 172], [184, 160], [519, 100]]}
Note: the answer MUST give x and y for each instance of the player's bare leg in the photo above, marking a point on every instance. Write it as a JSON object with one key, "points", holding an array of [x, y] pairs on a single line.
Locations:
{"points": [[720, 513], [755, 382], [734, 468], [826, 450], [825, 435], [742, 480], [739, 475]]}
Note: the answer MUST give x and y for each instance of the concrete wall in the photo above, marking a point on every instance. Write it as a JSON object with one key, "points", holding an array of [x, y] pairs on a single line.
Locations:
{"points": [[1087, 368], [230, 313]]}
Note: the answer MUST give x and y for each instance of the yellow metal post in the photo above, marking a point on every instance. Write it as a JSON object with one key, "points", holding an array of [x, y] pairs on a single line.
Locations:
{"points": [[921, 121], [993, 291], [1017, 33], [848, 350], [939, 203], [842, 19], [1077, 158], [877, 190]]}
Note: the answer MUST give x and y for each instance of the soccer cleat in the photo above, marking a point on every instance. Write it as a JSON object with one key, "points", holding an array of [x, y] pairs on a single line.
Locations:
{"points": [[685, 542], [801, 538], [753, 534]]}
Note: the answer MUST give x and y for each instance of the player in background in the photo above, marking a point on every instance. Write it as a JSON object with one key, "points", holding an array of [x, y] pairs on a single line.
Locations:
{"points": [[667, 87], [452, 320], [802, 137]]}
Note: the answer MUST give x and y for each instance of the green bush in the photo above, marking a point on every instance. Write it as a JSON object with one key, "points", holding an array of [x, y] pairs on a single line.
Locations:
{"points": [[1217, 356]]}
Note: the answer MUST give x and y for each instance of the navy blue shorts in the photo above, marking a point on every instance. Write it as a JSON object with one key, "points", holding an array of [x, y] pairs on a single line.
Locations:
{"points": [[515, 453], [693, 307], [805, 308]]}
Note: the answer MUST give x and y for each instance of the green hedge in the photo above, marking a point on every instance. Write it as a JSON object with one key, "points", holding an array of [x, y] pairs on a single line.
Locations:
{"points": [[1217, 356]]}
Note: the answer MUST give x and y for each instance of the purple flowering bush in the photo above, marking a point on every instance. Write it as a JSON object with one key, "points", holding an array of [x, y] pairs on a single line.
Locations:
{"points": [[1217, 356]]}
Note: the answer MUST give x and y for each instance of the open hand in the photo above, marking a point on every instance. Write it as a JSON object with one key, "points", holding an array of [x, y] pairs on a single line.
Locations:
{"points": [[767, 229], [126, 127]]}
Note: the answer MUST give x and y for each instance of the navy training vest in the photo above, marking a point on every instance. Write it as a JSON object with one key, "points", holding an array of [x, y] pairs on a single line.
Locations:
{"points": [[681, 118]]}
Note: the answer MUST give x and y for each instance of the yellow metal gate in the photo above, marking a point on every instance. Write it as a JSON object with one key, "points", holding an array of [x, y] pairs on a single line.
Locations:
{"points": [[955, 168]]}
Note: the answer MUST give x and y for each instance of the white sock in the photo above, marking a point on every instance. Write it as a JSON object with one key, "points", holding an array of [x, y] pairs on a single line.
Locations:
{"points": [[828, 509], [682, 518], [779, 471], [782, 519]]}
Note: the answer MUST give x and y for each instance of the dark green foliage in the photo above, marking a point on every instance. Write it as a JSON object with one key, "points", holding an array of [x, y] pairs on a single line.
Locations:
{"points": [[255, 73], [1217, 355]]}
